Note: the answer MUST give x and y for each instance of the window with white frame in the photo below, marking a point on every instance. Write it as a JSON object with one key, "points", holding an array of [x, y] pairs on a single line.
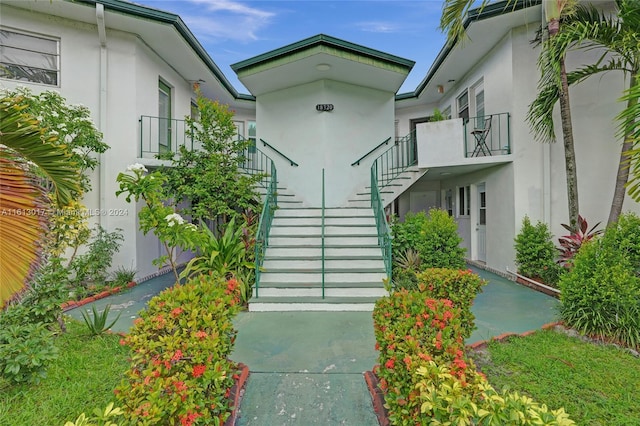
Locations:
{"points": [[252, 134], [28, 57]]}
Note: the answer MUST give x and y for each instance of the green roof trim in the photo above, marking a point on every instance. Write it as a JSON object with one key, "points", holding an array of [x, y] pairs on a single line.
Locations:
{"points": [[478, 14], [146, 12], [326, 44]]}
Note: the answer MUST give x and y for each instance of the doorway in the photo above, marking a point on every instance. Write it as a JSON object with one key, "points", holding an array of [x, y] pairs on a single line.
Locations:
{"points": [[481, 226]]}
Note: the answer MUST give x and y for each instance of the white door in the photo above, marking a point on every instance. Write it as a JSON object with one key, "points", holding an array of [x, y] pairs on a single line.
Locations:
{"points": [[481, 226]]}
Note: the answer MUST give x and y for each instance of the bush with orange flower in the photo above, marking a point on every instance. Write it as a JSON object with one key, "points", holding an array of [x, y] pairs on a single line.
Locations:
{"points": [[180, 373]]}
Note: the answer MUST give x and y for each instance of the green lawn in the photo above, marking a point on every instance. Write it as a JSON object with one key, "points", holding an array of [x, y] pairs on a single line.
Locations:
{"points": [[81, 379], [597, 385]]}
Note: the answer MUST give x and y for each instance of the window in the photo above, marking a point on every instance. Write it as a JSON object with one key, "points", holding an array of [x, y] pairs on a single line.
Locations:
{"points": [[447, 112], [463, 106], [464, 201], [448, 202], [164, 116], [195, 111], [29, 58], [483, 208], [252, 136]]}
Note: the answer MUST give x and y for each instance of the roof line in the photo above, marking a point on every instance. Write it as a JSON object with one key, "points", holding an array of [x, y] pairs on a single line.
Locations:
{"points": [[478, 14], [322, 39], [177, 22]]}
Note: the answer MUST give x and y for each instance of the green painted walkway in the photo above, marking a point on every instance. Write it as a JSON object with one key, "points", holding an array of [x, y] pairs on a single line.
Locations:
{"points": [[306, 368]]}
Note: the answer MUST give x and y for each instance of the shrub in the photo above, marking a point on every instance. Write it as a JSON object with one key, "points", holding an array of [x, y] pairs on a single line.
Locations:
{"points": [[426, 377], [601, 294], [90, 269], [535, 253], [25, 350], [179, 372], [434, 237], [460, 287]]}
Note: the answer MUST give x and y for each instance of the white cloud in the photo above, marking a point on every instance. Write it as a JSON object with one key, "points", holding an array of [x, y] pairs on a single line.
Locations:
{"points": [[222, 20], [379, 27]]}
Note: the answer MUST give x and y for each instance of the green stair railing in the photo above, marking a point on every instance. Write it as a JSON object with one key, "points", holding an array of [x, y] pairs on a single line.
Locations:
{"points": [[384, 142], [255, 162], [395, 160], [266, 218], [291, 162], [382, 226], [322, 232]]}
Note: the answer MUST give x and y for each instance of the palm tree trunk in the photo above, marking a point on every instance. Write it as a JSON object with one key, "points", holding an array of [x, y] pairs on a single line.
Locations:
{"points": [[623, 166], [569, 149]]}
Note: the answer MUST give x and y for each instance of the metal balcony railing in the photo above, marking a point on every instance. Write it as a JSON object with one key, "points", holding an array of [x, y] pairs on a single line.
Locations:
{"points": [[487, 135], [159, 135]]}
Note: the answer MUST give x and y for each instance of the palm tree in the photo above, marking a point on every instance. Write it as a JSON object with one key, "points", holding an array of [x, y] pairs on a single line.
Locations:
{"points": [[552, 78], [618, 35], [23, 206]]}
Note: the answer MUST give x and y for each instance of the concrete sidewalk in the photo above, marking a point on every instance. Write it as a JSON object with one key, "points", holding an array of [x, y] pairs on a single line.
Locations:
{"points": [[306, 368]]}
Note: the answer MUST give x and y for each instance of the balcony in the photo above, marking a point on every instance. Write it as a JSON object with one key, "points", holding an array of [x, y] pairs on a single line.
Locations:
{"points": [[480, 140], [159, 135]]}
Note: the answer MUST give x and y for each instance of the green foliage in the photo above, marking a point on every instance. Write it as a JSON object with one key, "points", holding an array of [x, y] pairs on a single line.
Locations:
{"points": [[434, 237], [223, 255], [97, 323], [601, 294], [459, 286], [99, 418], [70, 126], [90, 269], [180, 371], [123, 276], [535, 253], [570, 244], [84, 374], [25, 351], [427, 378], [209, 178]]}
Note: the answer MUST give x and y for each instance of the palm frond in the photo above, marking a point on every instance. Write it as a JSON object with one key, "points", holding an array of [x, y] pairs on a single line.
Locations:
{"points": [[20, 133], [23, 212]]}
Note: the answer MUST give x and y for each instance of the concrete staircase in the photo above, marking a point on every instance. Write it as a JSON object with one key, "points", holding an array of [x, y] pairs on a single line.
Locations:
{"points": [[292, 271], [391, 191]]}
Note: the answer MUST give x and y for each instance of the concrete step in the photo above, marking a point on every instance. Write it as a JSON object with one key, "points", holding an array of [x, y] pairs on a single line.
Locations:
{"points": [[278, 229], [328, 220], [271, 264], [331, 240], [275, 251], [316, 291], [317, 211], [277, 304], [314, 276]]}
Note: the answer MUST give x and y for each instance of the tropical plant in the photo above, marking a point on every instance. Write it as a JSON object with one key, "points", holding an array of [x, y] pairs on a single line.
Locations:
{"points": [[553, 79], [97, 322], [24, 208], [99, 418], [180, 371], [579, 235], [123, 276], [224, 255], [536, 254], [90, 268], [617, 35], [209, 178], [601, 294]]}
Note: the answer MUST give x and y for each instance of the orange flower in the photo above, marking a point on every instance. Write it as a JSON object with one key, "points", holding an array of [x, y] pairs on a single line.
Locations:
{"points": [[177, 356], [198, 370]]}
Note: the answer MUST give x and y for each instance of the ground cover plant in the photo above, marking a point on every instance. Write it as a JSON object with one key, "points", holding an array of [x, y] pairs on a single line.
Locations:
{"points": [[80, 379], [596, 384]]}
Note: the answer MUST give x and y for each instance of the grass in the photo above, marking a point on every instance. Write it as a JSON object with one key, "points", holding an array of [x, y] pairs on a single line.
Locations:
{"points": [[596, 384], [81, 379]]}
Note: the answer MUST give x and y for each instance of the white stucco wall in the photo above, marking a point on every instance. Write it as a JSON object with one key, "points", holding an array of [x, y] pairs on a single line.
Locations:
{"points": [[287, 119]]}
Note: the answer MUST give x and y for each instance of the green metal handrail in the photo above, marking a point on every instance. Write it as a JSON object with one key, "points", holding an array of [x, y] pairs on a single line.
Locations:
{"points": [[382, 226], [266, 219], [402, 155], [497, 136], [255, 162], [293, 163], [385, 142], [161, 134], [322, 232]]}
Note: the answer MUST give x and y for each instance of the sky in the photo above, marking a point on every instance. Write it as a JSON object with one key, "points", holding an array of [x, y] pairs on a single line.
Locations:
{"points": [[232, 30]]}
